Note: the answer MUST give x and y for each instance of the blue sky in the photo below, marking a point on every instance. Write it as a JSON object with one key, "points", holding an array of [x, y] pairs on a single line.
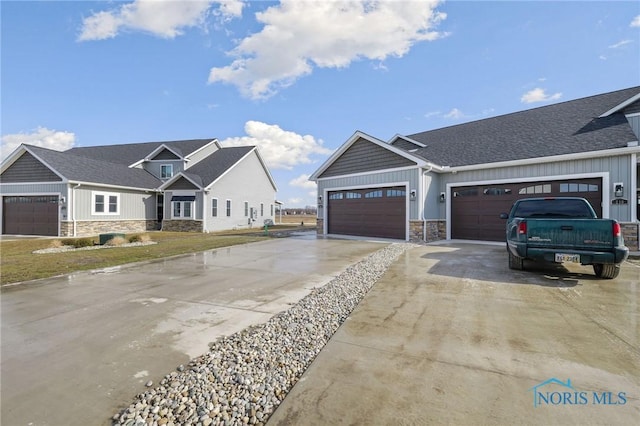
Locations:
{"points": [[297, 78]]}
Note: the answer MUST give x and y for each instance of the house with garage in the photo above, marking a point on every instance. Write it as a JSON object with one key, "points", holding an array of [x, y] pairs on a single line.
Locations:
{"points": [[453, 182], [188, 185]]}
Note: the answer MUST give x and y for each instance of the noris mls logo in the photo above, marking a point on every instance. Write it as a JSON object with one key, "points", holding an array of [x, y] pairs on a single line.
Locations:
{"points": [[557, 392]]}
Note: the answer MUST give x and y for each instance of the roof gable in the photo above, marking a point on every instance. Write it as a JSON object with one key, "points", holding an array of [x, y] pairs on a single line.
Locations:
{"points": [[363, 153], [28, 168]]}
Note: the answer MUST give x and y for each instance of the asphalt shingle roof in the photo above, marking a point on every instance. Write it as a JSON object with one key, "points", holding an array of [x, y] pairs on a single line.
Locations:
{"points": [[563, 128], [212, 167], [131, 153], [78, 168]]}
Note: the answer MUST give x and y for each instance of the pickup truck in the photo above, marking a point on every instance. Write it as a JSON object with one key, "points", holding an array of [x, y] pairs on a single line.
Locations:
{"points": [[563, 229]]}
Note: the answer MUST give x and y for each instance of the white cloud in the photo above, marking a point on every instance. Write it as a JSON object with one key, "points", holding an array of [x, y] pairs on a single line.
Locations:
{"points": [[303, 181], [43, 137], [299, 35], [294, 201], [619, 44], [455, 114], [539, 95], [162, 18], [635, 22], [279, 148]]}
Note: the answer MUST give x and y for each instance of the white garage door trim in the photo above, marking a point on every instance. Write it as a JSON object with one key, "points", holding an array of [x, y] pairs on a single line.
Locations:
{"points": [[325, 201], [603, 175]]}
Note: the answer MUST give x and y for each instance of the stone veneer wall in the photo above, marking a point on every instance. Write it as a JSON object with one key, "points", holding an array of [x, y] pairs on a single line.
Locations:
{"points": [[102, 227], [320, 226], [436, 230], [630, 234], [182, 225]]}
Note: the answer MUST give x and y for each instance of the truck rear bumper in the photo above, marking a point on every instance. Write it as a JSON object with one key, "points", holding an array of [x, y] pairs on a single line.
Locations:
{"points": [[587, 257]]}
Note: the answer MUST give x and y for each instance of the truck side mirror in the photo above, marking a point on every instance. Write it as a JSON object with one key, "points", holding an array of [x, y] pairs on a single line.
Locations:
{"points": [[504, 216]]}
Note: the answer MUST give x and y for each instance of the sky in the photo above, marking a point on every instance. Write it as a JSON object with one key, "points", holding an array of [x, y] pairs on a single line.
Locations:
{"points": [[297, 78]]}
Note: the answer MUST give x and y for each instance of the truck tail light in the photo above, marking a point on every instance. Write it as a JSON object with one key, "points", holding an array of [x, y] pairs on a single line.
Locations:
{"points": [[617, 231], [522, 228]]}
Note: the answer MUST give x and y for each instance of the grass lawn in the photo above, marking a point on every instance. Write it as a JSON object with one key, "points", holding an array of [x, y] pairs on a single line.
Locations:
{"points": [[19, 263]]}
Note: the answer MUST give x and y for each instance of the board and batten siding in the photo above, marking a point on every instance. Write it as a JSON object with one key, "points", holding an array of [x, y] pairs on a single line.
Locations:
{"points": [[412, 176], [617, 168], [154, 166], [634, 122], [133, 205]]}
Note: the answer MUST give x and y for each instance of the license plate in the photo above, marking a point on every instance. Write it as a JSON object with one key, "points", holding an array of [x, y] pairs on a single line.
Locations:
{"points": [[573, 258]]}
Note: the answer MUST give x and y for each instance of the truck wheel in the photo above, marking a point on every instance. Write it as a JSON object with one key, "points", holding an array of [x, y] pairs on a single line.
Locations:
{"points": [[607, 271], [516, 262]]}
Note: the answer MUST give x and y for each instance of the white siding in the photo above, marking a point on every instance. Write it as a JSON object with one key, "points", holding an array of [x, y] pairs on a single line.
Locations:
{"points": [[246, 181]]}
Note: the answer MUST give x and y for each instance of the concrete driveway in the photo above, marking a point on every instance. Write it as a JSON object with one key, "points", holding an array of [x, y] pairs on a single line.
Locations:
{"points": [[450, 335], [77, 349]]}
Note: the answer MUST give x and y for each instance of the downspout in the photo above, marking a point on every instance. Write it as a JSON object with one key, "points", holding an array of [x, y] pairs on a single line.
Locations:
{"points": [[422, 196], [73, 210]]}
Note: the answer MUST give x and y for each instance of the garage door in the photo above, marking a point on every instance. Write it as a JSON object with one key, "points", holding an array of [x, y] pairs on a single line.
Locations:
{"points": [[372, 212], [475, 210], [30, 215]]}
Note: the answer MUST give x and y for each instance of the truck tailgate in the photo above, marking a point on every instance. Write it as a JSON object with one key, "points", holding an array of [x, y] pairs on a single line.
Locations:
{"points": [[577, 234]]}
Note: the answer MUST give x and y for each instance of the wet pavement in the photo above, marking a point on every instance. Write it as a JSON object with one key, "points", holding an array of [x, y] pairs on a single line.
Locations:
{"points": [[77, 349], [450, 335]]}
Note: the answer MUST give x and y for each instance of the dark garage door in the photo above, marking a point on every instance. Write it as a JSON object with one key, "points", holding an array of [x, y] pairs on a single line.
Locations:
{"points": [[30, 215], [372, 212], [475, 210]]}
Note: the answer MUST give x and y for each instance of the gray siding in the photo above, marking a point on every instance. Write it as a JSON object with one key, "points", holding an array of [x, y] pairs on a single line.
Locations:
{"points": [[202, 154], [165, 154], [633, 108], [182, 183], [133, 205], [28, 169], [634, 122], [365, 156], [375, 179], [154, 166], [618, 168]]}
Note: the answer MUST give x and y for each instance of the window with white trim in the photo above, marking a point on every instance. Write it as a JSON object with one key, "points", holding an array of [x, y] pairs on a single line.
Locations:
{"points": [[107, 203], [246, 209], [261, 209], [228, 208], [166, 171], [181, 209], [214, 207], [271, 207]]}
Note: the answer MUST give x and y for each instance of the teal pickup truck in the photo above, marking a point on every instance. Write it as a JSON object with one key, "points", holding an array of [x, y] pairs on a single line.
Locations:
{"points": [[563, 229]]}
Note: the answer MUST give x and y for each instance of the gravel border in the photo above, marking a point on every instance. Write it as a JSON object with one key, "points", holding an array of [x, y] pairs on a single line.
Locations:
{"points": [[65, 249], [245, 376]]}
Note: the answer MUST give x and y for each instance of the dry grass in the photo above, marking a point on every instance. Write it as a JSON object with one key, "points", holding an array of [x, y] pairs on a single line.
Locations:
{"points": [[307, 219], [56, 244], [116, 242]]}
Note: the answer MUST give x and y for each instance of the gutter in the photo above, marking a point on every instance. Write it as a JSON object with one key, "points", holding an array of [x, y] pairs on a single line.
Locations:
{"points": [[73, 210], [424, 219]]}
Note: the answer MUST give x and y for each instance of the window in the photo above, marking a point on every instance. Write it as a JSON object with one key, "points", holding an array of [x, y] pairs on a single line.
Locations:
{"points": [[261, 209], [181, 209], [578, 187], [246, 209], [496, 191], [214, 207], [228, 208], [396, 193], [471, 192], [352, 195], [271, 208], [536, 189], [336, 196], [106, 203], [373, 194], [166, 171]]}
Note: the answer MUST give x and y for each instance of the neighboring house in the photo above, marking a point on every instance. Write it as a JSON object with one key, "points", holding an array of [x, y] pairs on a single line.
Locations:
{"points": [[452, 183], [191, 185]]}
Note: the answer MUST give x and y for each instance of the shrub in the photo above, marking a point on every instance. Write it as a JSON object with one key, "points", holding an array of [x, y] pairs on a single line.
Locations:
{"points": [[56, 244], [139, 238], [117, 241], [77, 242]]}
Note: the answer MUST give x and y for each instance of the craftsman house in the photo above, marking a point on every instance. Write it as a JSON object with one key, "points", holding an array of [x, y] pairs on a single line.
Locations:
{"points": [[190, 185], [453, 183]]}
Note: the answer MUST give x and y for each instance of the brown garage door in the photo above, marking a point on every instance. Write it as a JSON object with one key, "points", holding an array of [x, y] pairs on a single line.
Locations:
{"points": [[372, 212], [475, 210], [30, 215]]}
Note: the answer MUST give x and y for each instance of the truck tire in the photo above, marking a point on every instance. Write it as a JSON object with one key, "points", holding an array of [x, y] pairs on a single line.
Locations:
{"points": [[607, 271], [516, 262]]}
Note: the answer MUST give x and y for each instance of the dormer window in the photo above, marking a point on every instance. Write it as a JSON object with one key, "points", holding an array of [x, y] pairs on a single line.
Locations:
{"points": [[166, 171]]}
